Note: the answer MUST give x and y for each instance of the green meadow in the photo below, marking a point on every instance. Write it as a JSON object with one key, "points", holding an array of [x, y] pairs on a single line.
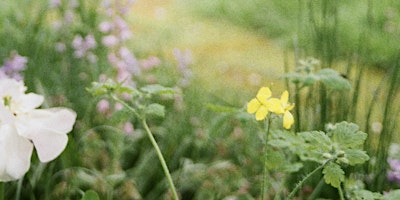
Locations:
{"points": [[212, 99]]}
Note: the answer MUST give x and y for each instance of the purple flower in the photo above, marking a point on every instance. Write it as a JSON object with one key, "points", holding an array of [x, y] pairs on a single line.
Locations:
{"points": [[393, 175], [82, 47], [13, 66], [106, 27], [184, 59], [150, 63], [110, 41]]}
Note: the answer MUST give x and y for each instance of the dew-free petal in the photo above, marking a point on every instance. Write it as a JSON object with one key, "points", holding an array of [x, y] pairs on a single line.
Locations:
{"points": [[47, 129], [288, 120], [30, 101], [275, 105], [253, 106], [15, 153], [261, 113], [49, 144], [263, 94], [285, 97]]}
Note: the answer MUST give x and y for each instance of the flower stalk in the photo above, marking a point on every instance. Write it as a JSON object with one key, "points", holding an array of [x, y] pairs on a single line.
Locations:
{"points": [[265, 169], [154, 143], [161, 158], [300, 184]]}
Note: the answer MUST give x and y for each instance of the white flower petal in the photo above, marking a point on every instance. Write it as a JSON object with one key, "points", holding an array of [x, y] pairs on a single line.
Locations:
{"points": [[59, 120], [48, 144], [15, 153], [47, 128], [6, 116], [30, 101], [11, 87]]}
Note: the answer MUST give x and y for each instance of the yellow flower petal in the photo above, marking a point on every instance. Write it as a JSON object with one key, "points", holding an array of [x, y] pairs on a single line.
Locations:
{"points": [[253, 106], [285, 97], [261, 113], [263, 94], [289, 107], [274, 105], [288, 120]]}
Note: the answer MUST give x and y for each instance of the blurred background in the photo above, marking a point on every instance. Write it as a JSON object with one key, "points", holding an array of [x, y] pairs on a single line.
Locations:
{"points": [[215, 53]]}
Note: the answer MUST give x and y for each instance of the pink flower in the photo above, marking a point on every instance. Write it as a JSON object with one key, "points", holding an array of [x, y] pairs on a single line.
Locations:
{"points": [[110, 41]]}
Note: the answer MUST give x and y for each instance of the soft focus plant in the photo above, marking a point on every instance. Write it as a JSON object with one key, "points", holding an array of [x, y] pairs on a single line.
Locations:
{"points": [[141, 108]]}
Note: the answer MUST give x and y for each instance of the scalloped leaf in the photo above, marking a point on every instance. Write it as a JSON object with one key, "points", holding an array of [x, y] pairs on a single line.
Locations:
{"points": [[356, 156], [348, 136], [333, 174], [155, 109], [316, 143], [366, 195], [333, 80]]}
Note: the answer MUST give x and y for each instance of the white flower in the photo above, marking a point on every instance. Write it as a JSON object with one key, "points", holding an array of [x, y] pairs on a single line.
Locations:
{"points": [[23, 126]]}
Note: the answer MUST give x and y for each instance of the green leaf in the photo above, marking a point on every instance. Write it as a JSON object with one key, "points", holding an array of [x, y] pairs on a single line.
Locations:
{"points": [[292, 167], [293, 76], [392, 195], [333, 80], [277, 160], [155, 109], [366, 195], [356, 156], [90, 195], [316, 138], [285, 139], [347, 135], [310, 79], [316, 143], [333, 174], [157, 89]]}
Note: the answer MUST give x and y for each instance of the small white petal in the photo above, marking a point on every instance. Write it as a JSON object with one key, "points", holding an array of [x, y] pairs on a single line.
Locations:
{"points": [[59, 120], [15, 153], [47, 128], [6, 116], [49, 144], [31, 101]]}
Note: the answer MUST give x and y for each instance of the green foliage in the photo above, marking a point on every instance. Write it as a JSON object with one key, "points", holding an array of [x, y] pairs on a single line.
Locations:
{"points": [[392, 195], [365, 195], [90, 195], [333, 174], [155, 109], [333, 80], [330, 78]]}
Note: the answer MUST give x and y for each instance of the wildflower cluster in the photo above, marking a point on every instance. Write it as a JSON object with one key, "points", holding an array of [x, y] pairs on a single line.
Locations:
{"points": [[264, 103], [83, 46], [13, 66], [117, 31], [24, 126], [184, 59]]}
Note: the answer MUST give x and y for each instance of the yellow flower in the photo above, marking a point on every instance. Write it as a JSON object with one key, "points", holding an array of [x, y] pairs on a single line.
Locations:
{"points": [[284, 109], [261, 104]]}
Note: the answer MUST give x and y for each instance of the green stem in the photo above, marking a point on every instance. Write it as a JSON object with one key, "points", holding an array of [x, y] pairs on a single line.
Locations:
{"points": [[155, 145], [2, 191], [265, 169], [298, 186], [161, 158], [18, 195], [340, 193]]}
